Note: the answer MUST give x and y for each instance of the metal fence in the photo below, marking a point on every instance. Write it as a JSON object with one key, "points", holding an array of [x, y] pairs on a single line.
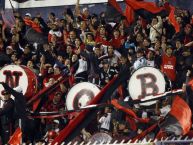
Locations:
{"points": [[167, 141]]}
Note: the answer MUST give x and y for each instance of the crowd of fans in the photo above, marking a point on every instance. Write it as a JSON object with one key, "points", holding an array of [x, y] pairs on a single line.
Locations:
{"points": [[86, 47]]}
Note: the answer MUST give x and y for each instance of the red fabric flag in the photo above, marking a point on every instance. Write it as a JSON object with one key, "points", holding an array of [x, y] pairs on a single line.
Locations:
{"points": [[190, 83], [115, 5], [120, 91], [129, 14], [128, 111], [182, 112], [15, 139], [35, 104], [146, 10], [172, 19], [85, 117], [35, 100], [132, 123]]}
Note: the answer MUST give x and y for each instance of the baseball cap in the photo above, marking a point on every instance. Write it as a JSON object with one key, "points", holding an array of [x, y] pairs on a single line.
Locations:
{"points": [[28, 14]]}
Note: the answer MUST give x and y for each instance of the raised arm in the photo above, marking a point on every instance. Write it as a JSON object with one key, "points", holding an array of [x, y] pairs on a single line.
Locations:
{"points": [[77, 8], [16, 94]]}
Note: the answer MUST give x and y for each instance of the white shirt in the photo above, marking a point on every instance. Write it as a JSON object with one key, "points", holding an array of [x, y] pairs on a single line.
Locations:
{"points": [[57, 33], [165, 110], [105, 121], [150, 63], [82, 66]]}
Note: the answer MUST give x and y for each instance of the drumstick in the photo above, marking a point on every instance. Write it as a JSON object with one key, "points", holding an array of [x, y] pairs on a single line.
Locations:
{"points": [[74, 110], [159, 96]]}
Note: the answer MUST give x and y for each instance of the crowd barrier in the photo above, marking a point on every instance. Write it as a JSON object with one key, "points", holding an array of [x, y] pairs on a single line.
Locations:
{"points": [[173, 141]]}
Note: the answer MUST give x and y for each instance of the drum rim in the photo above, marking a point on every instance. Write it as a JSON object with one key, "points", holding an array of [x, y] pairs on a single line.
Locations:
{"points": [[28, 69]]}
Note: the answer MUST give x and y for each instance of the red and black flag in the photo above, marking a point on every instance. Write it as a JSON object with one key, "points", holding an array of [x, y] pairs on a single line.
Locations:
{"points": [[178, 121], [15, 139], [146, 10], [119, 105], [173, 20], [131, 116], [129, 14], [86, 116], [113, 9]]}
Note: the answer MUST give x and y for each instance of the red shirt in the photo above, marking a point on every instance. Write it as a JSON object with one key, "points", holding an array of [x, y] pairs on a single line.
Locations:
{"points": [[168, 66], [116, 43], [99, 39]]}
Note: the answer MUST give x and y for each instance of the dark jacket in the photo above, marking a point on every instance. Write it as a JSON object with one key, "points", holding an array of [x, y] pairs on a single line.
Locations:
{"points": [[6, 112], [20, 103]]}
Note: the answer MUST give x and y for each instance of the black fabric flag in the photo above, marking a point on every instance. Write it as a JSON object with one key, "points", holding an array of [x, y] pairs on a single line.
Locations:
{"points": [[113, 11]]}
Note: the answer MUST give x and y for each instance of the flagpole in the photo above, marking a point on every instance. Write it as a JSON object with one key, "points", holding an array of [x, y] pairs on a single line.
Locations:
{"points": [[73, 110], [12, 6], [20, 126]]}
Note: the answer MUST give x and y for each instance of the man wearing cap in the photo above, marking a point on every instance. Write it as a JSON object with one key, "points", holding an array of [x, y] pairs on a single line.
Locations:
{"points": [[27, 19], [6, 117], [141, 60]]}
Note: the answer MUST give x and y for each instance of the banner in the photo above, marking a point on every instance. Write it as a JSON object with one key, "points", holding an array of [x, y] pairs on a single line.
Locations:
{"points": [[49, 3]]}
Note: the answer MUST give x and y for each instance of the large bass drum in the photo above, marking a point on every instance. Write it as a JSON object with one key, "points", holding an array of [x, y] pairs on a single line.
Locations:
{"points": [[100, 137], [80, 95], [21, 76], [147, 81]]}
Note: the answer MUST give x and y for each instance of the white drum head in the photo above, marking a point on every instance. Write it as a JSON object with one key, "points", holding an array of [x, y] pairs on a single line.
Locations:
{"points": [[146, 81], [80, 95]]}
